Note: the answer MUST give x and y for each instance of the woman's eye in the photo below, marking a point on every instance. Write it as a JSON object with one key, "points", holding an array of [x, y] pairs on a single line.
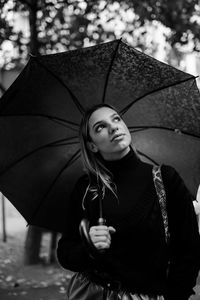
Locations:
{"points": [[99, 127], [117, 118]]}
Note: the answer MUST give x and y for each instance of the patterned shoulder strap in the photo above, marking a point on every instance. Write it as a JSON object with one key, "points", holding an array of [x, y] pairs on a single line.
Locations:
{"points": [[160, 190]]}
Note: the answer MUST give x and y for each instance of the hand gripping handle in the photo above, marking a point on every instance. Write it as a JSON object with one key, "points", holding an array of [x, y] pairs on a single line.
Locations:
{"points": [[84, 233]]}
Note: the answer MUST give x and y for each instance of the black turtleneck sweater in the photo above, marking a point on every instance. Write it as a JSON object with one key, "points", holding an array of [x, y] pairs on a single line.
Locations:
{"points": [[138, 255]]}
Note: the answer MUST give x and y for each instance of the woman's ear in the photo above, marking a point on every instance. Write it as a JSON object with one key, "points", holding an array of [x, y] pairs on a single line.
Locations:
{"points": [[91, 146]]}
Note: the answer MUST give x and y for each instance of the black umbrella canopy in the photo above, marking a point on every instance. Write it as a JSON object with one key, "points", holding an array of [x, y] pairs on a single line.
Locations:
{"points": [[41, 112], [171, 148]]}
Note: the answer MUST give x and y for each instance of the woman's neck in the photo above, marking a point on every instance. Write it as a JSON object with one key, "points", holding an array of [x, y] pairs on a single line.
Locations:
{"points": [[116, 155], [127, 162]]}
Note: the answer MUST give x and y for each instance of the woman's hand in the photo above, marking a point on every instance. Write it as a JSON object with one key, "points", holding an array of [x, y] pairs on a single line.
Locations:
{"points": [[101, 236]]}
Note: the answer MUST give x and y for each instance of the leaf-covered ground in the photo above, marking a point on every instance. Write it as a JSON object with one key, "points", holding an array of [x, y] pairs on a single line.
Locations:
{"points": [[17, 281]]}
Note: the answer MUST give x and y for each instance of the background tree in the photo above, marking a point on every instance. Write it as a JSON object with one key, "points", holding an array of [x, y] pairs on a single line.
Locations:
{"points": [[58, 25], [182, 17]]}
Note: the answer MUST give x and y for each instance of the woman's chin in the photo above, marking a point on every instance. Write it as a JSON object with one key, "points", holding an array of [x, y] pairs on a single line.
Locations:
{"points": [[122, 148], [123, 145]]}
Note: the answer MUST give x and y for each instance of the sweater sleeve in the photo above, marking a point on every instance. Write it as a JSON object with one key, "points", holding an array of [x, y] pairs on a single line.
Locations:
{"points": [[71, 253], [184, 248]]}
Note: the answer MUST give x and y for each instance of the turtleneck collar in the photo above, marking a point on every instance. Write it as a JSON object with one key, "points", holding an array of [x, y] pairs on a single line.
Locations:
{"points": [[130, 160]]}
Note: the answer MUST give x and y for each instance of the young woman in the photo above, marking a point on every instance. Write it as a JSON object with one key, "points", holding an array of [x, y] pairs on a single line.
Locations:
{"points": [[132, 259]]}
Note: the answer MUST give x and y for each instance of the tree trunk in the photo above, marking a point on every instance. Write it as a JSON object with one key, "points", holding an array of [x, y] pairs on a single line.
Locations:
{"points": [[3, 218], [34, 234], [32, 245], [2, 88], [33, 27], [53, 245]]}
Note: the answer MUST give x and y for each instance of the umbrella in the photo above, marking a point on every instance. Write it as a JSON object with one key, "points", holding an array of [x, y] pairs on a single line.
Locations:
{"points": [[41, 111]]}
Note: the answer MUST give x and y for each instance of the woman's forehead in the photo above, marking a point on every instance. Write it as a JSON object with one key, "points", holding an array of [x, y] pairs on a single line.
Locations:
{"points": [[101, 114]]}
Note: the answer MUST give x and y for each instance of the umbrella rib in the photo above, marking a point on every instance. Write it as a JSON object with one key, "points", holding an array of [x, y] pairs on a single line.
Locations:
{"points": [[194, 86], [42, 115], [63, 144], [74, 157], [55, 143], [109, 70], [74, 98], [124, 110], [66, 123], [175, 130], [146, 156]]}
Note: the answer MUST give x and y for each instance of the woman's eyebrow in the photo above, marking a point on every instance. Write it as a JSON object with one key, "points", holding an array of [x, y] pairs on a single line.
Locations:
{"points": [[99, 122]]}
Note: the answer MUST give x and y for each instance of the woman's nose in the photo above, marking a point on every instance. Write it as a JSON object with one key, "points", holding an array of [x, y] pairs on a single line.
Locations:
{"points": [[113, 127]]}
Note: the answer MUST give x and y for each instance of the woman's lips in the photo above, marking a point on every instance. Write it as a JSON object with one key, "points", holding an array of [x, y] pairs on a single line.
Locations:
{"points": [[117, 137]]}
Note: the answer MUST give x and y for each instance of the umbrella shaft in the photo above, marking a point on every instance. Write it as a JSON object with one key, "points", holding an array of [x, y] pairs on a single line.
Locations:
{"points": [[101, 221]]}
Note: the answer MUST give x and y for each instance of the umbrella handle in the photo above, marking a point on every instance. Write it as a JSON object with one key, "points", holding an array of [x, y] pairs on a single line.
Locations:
{"points": [[84, 233], [101, 221]]}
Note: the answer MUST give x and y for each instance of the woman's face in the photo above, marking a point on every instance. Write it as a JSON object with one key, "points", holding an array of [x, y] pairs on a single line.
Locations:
{"points": [[109, 134]]}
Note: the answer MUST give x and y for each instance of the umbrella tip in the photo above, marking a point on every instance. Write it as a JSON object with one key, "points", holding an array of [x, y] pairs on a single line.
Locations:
{"points": [[177, 130]]}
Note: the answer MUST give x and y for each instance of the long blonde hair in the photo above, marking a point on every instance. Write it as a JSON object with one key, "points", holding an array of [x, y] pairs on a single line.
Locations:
{"points": [[92, 162]]}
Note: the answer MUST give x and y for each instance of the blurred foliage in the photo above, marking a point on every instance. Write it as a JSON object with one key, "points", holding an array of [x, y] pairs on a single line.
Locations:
{"points": [[59, 25], [181, 16]]}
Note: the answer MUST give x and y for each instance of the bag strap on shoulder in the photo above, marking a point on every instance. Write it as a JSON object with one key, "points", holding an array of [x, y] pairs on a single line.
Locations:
{"points": [[160, 190]]}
